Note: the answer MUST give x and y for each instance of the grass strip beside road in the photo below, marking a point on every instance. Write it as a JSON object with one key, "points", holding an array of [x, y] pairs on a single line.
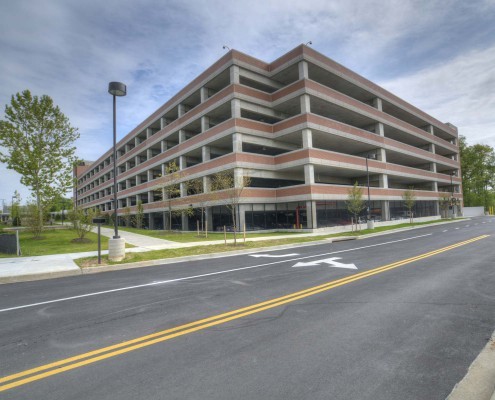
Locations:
{"points": [[47, 370], [57, 241], [220, 248], [188, 237]]}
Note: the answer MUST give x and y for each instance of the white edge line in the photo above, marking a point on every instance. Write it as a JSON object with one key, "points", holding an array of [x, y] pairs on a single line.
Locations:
{"points": [[203, 275]]}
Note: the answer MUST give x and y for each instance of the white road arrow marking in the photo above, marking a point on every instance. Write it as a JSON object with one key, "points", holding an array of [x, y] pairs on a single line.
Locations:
{"points": [[330, 261], [274, 255]]}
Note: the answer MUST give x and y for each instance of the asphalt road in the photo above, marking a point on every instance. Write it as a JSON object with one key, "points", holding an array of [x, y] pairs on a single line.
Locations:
{"points": [[405, 324]]}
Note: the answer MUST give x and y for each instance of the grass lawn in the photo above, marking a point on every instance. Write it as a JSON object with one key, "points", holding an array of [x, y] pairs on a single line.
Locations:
{"points": [[187, 237], [57, 241], [218, 248]]}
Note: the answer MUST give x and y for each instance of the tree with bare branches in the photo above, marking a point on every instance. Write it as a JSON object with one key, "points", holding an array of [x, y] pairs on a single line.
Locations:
{"points": [[232, 187]]}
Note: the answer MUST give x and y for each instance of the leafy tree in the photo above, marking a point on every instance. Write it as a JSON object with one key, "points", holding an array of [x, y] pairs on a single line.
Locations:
{"points": [[478, 174], [33, 220], [232, 189], [409, 199], [15, 212], [355, 203], [82, 221], [139, 217], [38, 141], [171, 189], [127, 216]]}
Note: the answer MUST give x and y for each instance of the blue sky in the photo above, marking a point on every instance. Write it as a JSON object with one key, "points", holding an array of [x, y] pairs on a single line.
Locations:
{"points": [[438, 55]]}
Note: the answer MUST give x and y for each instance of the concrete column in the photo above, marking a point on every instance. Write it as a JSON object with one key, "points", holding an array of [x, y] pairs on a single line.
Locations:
{"points": [[206, 184], [149, 133], [434, 186], [433, 167], [235, 106], [241, 217], [138, 180], [311, 214], [234, 74], [303, 70], [307, 138], [163, 146], [151, 221], [385, 210], [309, 174], [164, 169], [381, 155], [163, 123], [431, 148], [150, 197], [203, 93], [150, 175], [237, 142], [238, 177], [205, 153], [205, 123], [136, 141], [383, 180], [181, 110], [182, 136], [379, 129], [430, 129], [183, 189], [377, 103], [185, 222], [149, 154], [437, 208], [136, 160], [127, 166], [209, 218], [305, 104], [182, 162], [127, 148]]}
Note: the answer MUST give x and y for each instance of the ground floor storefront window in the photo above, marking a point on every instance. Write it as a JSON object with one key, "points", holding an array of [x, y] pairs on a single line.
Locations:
{"points": [[421, 208], [334, 213]]}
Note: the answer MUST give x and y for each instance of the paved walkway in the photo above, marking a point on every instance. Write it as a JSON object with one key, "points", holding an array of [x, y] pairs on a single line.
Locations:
{"points": [[146, 242]]}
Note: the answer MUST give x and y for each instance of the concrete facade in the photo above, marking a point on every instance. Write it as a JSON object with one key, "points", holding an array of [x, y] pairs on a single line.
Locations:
{"points": [[301, 127]]}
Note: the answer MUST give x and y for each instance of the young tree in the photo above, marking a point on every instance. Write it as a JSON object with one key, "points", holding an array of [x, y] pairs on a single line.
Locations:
{"points": [[82, 221], [139, 217], [38, 141], [15, 212], [127, 216], [355, 203], [171, 189], [226, 182], [33, 221], [409, 199], [478, 174]]}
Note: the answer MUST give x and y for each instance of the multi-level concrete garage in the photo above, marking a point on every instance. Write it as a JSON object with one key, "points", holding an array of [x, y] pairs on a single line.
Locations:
{"points": [[302, 127]]}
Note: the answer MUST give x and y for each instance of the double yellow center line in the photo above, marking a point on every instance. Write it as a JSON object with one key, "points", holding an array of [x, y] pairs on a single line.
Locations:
{"points": [[44, 371]]}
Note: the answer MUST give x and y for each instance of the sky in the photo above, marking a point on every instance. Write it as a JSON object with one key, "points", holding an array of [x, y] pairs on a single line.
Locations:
{"points": [[437, 55]]}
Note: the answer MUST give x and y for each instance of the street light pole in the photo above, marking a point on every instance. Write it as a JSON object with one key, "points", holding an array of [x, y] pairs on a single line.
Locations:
{"points": [[116, 245], [115, 89]]}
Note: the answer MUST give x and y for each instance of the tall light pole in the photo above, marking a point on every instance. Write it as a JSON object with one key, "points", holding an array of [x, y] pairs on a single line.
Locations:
{"points": [[116, 245], [115, 89]]}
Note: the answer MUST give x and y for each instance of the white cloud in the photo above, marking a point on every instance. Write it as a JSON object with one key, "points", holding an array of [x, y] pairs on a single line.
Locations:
{"points": [[460, 92]]}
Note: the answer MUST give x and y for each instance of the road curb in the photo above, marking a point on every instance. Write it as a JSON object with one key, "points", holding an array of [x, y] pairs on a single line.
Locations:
{"points": [[479, 382], [40, 276]]}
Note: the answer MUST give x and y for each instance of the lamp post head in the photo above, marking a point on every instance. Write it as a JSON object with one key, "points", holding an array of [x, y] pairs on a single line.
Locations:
{"points": [[117, 89]]}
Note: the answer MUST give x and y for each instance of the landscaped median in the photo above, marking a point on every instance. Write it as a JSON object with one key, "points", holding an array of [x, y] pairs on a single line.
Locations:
{"points": [[89, 262]]}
